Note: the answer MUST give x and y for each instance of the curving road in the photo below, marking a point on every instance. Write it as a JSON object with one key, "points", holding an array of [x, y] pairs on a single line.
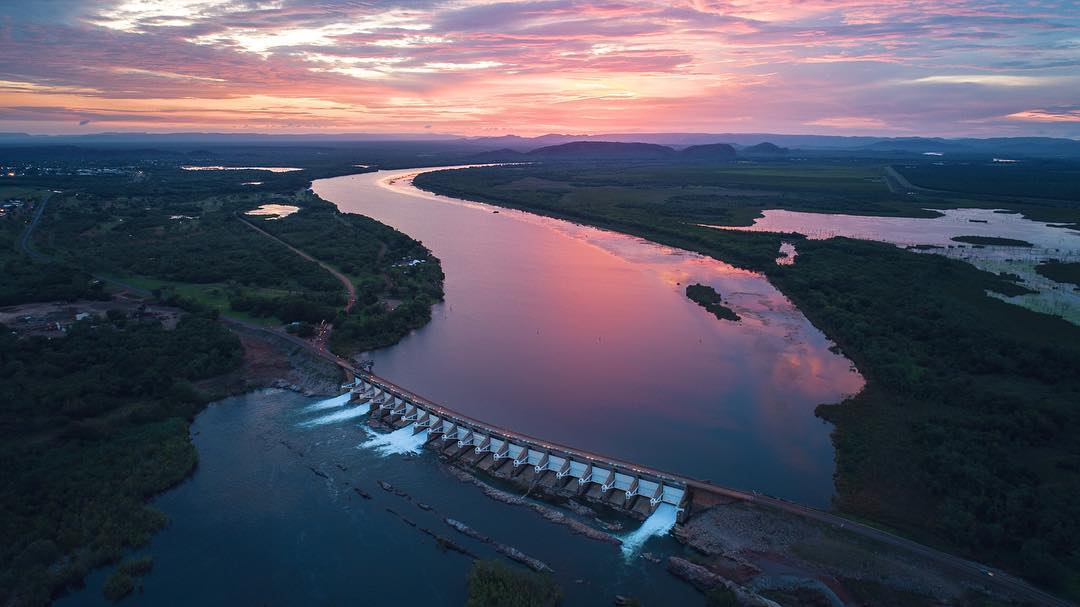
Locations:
{"points": [[983, 574], [24, 240], [349, 286]]}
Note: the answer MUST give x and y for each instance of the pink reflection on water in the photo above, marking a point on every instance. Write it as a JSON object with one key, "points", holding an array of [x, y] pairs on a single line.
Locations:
{"points": [[586, 337]]}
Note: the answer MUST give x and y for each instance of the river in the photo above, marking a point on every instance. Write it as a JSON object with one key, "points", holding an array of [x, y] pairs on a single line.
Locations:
{"points": [[585, 337], [934, 236], [565, 332]]}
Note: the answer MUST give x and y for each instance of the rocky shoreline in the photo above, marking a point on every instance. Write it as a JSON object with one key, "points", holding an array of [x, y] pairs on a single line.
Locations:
{"points": [[750, 554], [271, 361]]}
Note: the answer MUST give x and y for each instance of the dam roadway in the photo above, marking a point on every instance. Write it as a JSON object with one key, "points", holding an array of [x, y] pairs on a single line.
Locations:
{"points": [[637, 481], [696, 491]]}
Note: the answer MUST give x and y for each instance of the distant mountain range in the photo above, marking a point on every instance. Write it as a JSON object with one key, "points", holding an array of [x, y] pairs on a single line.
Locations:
{"points": [[702, 144], [617, 150], [1020, 146]]}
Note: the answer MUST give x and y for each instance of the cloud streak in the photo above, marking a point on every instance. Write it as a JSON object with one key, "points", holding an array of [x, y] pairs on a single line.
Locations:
{"points": [[531, 66]]}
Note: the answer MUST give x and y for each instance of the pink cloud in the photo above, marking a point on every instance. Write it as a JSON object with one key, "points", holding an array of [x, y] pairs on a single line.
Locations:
{"points": [[530, 66]]}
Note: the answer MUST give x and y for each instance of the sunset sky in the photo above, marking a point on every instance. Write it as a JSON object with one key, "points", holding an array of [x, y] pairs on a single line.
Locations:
{"points": [[927, 67]]}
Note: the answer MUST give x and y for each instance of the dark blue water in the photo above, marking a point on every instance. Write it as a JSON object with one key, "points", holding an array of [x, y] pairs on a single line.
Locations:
{"points": [[255, 526]]}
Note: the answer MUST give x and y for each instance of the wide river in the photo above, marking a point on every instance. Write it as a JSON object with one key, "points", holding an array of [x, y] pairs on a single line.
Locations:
{"points": [[569, 333], [585, 337]]}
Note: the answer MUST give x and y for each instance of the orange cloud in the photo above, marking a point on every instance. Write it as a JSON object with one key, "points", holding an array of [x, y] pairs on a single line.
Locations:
{"points": [[531, 66]]}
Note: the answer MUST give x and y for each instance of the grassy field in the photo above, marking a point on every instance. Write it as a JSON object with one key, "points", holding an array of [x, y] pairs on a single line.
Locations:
{"points": [[95, 423], [193, 245], [1050, 179], [214, 296], [966, 435]]}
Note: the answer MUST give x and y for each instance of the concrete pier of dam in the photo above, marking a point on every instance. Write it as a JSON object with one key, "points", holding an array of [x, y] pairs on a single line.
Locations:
{"points": [[633, 488], [525, 459]]}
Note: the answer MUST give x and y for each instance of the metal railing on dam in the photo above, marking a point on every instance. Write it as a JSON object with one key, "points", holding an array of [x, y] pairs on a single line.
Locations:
{"points": [[633, 481]]}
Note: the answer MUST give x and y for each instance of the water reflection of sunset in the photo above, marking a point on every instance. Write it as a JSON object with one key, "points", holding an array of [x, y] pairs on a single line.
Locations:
{"points": [[586, 337]]}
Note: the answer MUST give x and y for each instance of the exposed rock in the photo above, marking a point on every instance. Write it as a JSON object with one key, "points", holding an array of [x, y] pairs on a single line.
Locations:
{"points": [[386, 486], [508, 551], [424, 507], [648, 556], [404, 518], [271, 360], [318, 472], [579, 508], [704, 580], [449, 544], [609, 526], [291, 448], [550, 514], [362, 493]]}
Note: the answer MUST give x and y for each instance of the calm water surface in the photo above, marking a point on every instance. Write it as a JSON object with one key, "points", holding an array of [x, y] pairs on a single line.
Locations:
{"points": [[1049, 242], [585, 337], [566, 332], [256, 526]]}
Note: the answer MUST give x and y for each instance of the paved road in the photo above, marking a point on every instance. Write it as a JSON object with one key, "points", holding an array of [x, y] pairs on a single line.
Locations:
{"points": [[341, 277], [984, 574], [26, 245], [900, 184], [979, 574], [24, 240]]}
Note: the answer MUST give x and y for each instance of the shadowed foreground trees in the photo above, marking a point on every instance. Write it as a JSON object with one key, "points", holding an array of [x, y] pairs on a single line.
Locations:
{"points": [[91, 425]]}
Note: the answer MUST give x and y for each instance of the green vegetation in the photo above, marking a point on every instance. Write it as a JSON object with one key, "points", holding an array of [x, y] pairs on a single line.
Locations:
{"points": [[495, 584], [1053, 179], [721, 597], [182, 233], [95, 423], [707, 297], [91, 426], [26, 280], [992, 240], [966, 436], [118, 586], [122, 581], [138, 567], [1058, 271], [385, 265]]}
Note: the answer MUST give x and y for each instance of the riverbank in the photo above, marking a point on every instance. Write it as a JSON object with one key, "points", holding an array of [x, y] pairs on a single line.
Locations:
{"points": [[928, 447], [592, 342], [747, 545], [94, 423]]}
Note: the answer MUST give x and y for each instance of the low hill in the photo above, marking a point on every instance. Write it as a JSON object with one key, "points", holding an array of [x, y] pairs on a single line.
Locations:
{"points": [[602, 150], [763, 149], [501, 155], [712, 151]]}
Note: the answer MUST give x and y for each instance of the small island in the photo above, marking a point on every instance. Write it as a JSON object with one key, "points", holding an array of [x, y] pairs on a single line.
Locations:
{"points": [[707, 297], [992, 240], [1060, 271]]}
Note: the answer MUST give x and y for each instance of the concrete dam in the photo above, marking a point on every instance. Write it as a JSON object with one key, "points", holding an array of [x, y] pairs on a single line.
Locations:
{"points": [[527, 459]]}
